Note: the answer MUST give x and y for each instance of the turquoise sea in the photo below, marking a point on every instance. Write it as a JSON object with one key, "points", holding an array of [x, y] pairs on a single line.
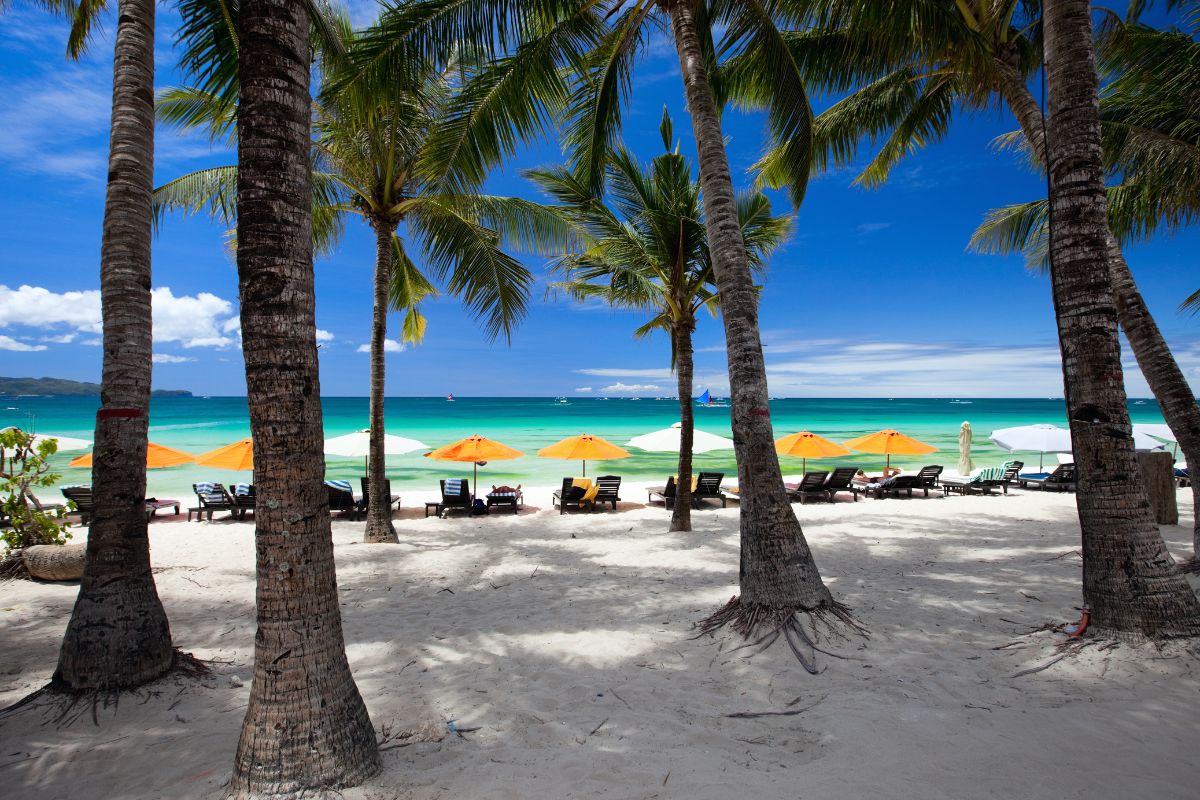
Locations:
{"points": [[199, 424]]}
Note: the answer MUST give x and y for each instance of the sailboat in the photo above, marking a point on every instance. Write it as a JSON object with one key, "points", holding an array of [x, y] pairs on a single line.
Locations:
{"points": [[707, 400], [450, 398]]}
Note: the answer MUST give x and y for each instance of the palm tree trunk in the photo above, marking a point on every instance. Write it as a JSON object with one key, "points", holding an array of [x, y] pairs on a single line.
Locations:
{"points": [[1130, 581], [118, 636], [379, 512], [1166, 380], [681, 516], [778, 575], [306, 726]]}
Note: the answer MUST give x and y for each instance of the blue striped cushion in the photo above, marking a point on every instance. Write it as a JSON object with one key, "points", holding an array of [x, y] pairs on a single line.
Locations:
{"points": [[454, 486], [205, 487], [341, 485], [242, 490]]}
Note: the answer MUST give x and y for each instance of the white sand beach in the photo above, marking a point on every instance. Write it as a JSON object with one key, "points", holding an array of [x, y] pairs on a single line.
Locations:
{"points": [[567, 642]]}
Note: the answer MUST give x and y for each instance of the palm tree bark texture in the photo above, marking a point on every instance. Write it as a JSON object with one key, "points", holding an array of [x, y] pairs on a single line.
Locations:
{"points": [[118, 636], [379, 511], [306, 726], [681, 516], [1154, 357], [778, 577], [1130, 581]]}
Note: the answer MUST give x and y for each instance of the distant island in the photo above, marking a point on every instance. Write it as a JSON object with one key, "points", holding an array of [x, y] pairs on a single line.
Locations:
{"points": [[65, 388]]}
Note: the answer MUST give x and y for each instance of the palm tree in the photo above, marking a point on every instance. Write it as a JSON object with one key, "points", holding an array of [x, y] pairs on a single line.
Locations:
{"points": [[118, 636], [1130, 581], [369, 160], [650, 254], [573, 60], [916, 61], [306, 725]]}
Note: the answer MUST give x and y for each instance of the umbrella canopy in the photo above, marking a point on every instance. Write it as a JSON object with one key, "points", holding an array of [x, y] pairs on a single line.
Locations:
{"points": [[239, 455], [65, 443], [358, 445], [805, 445], [584, 447], [964, 449], [1158, 431], [667, 441], [1045, 438], [157, 457], [889, 442], [476, 449]]}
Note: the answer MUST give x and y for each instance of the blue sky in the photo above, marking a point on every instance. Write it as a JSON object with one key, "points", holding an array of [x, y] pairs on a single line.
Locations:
{"points": [[874, 295]]}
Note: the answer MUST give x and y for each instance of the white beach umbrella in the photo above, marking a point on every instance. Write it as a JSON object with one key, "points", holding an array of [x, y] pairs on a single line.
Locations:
{"points": [[1157, 430], [667, 441], [358, 445], [65, 443], [1042, 439], [964, 449]]}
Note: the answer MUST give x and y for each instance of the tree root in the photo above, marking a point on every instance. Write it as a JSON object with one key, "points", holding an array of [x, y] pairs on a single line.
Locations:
{"points": [[64, 707], [12, 567], [801, 628]]}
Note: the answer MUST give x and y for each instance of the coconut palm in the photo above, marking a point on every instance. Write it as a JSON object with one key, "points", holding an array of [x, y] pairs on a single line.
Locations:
{"points": [[1130, 581], [917, 62], [370, 140], [118, 636], [573, 61], [649, 253], [306, 725]]}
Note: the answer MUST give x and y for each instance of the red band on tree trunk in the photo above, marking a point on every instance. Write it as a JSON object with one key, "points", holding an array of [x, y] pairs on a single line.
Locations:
{"points": [[122, 413]]}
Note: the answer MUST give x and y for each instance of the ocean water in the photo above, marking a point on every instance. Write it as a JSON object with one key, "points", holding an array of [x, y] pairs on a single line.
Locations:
{"points": [[200, 424]]}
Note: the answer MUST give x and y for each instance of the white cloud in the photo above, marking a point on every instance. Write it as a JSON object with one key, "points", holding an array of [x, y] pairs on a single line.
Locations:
{"points": [[324, 336], [35, 307], [9, 343], [66, 338], [626, 372], [872, 227], [203, 320], [166, 358], [92, 342], [623, 388], [583, 389], [389, 346]]}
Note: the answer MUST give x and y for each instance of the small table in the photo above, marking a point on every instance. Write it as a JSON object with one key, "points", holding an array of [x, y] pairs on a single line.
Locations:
{"points": [[435, 506], [511, 500]]}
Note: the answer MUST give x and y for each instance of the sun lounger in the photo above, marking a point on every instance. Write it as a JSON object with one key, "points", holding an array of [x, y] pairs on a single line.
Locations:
{"points": [[708, 487], [341, 498], [456, 493], [895, 485], [664, 493], [609, 492], [81, 496], [1061, 479], [929, 475], [1182, 478], [505, 497], [393, 499], [982, 483], [244, 499], [212, 498], [573, 494], [811, 485], [842, 480]]}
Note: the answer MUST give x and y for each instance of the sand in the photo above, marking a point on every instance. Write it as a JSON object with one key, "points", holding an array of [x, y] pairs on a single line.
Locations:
{"points": [[567, 641]]}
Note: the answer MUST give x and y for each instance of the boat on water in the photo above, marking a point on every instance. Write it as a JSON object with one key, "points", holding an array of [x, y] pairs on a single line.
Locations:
{"points": [[708, 401], [450, 398]]}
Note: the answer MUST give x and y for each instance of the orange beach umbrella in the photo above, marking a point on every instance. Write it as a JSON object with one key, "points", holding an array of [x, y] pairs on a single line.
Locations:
{"points": [[890, 442], [805, 445], [157, 457], [476, 449], [239, 455], [584, 447]]}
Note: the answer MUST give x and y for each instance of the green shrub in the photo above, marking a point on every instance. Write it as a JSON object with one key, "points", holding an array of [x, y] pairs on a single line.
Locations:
{"points": [[23, 468]]}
